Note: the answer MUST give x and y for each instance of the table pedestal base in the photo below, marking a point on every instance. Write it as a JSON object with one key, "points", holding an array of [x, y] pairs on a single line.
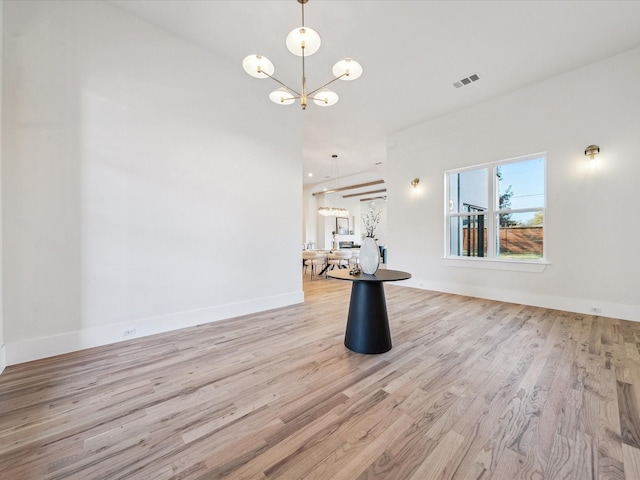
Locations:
{"points": [[368, 323]]}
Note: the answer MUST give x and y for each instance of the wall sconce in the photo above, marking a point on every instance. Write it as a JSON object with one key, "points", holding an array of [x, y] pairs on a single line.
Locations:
{"points": [[414, 183], [591, 151]]}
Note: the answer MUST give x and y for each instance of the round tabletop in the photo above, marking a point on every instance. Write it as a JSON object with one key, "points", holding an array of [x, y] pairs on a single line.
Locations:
{"points": [[382, 275]]}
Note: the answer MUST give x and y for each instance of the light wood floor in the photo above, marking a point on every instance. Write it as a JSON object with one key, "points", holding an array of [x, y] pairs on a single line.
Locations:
{"points": [[472, 389]]}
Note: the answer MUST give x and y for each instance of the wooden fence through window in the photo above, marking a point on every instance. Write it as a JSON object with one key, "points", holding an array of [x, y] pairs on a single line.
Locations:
{"points": [[513, 240]]}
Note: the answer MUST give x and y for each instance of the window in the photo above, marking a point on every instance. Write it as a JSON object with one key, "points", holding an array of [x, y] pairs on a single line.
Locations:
{"points": [[497, 210]]}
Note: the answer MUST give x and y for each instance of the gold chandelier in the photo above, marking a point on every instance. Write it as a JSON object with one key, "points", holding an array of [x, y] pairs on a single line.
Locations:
{"points": [[302, 41]]}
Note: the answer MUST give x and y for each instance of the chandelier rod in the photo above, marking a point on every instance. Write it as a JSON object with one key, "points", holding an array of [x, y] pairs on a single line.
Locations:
{"points": [[283, 84], [328, 83], [298, 95], [303, 98]]}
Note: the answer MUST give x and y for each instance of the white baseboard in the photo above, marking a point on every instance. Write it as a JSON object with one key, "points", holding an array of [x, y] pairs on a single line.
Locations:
{"points": [[42, 347], [3, 358], [577, 305]]}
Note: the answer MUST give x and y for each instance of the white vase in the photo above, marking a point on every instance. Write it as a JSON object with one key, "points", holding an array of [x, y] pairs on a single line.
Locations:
{"points": [[369, 256]]}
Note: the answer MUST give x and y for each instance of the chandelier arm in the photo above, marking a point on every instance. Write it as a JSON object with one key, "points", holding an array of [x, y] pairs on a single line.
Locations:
{"points": [[326, 84], [303, 97], [304, 75], [283, 84]]}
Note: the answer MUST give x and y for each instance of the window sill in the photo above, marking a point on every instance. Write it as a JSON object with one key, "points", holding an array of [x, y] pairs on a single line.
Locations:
{"points": [[537, 266]]}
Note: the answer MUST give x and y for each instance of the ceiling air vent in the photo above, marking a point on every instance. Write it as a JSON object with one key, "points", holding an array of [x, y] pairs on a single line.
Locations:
{"points": [[467, 81]]}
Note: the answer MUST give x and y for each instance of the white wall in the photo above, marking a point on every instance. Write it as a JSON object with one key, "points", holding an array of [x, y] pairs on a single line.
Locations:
{"points": [[134, 182], [3, 356], [591, 231]]}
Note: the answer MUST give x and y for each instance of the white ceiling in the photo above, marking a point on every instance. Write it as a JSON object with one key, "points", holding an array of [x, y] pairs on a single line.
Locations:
{"points": [[411, 51]]}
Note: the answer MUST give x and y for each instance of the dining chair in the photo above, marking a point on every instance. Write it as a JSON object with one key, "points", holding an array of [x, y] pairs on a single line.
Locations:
{"points": [[312, 259], [339, 258]]}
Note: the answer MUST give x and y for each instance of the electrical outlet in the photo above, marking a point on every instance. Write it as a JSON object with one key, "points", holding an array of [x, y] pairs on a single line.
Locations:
{"points": [[127, 332], [595, 310]]}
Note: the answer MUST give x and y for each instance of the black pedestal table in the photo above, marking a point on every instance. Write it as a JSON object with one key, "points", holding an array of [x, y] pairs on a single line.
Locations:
{"points": [[368, 323]]}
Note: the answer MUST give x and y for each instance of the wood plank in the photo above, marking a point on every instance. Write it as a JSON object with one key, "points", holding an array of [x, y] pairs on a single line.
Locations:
{"points": [[349, 187], [629, 408], [631, 461]]}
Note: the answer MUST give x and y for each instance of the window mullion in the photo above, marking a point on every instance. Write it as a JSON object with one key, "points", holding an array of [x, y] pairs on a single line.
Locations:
{"points": [[447, 215], [491, 216]]}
